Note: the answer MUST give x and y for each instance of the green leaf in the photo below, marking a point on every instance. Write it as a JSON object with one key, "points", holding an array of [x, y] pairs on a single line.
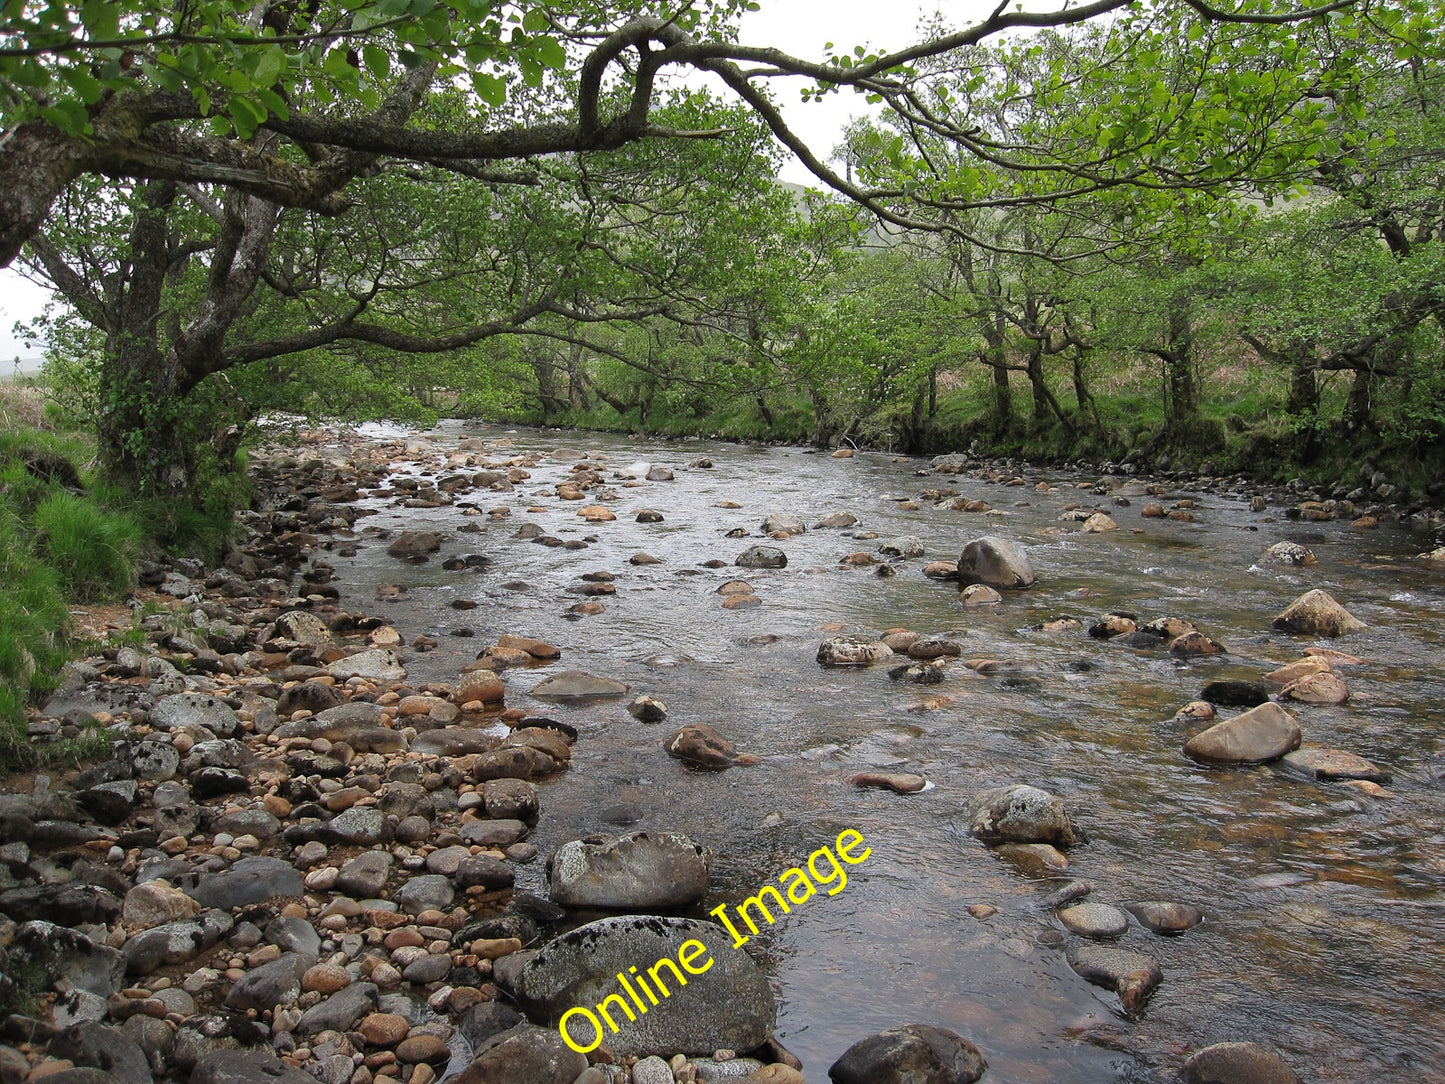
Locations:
{"points": [[489, 88], [551, 53], [535, 21], [101, 19], [269, 65], [377, 61]]}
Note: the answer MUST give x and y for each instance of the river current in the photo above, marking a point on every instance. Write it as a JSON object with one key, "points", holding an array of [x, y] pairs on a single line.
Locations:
{"points": [[1325, 930]]}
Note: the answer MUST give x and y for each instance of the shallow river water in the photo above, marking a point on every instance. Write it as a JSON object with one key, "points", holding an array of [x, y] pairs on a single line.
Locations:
{"points": [[1325, 929]]}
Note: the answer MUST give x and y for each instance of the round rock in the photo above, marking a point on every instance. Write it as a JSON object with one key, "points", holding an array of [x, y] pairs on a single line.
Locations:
{"points": [[910, 1054], [728, 1006], [1096, 920], [1237, 1063], [637, 871]]}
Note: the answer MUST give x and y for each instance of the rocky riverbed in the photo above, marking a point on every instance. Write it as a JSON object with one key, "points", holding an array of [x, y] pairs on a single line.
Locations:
{"points": [[1135, 758]]}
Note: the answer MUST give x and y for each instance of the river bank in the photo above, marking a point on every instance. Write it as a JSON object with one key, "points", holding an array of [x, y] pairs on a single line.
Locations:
{"points": [[409, 830]]}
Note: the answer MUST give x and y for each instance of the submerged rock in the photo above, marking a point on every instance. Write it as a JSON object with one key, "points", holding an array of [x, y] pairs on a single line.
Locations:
{"points": [[910, 1054], [1333, 764], [1325, 687], [1096, 920], [1164, 917], [898, 782], [1237, 1063], [1132, 975], [577, 685], [703, 747]]}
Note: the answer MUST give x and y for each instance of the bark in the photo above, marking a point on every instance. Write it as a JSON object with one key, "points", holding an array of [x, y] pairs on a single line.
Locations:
{"points": [[142, 447]]}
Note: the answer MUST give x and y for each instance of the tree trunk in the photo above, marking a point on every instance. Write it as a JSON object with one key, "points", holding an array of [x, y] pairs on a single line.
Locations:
{"points": [[1087, 407], [1304, 389], [545, 370], [577, 380], [995, 357], [1182, 395], [142, 383], [1037, 386], [1360, 400]]}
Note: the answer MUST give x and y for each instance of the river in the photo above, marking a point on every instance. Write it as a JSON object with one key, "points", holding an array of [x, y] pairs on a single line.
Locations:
{"points": [[1324, 932]]}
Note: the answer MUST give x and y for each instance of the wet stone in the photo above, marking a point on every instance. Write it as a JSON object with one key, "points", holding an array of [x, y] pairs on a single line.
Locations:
{"points": [[898, 782], [1096, 920], [1164, 917], [1132, 975], [910, 1054], [1260, 734], [1237, 1063], [1330, 764]]}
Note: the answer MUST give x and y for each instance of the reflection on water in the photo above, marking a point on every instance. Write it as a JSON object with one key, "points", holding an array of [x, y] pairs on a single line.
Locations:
{"points": [[1323, 937]]}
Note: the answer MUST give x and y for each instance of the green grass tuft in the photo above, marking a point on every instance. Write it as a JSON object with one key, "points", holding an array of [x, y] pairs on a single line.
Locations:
{"points": [[95, 551]]}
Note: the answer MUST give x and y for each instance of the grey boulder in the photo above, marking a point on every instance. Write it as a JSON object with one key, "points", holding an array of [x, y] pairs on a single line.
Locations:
{"points": [[996, 562], [637, 871], [730, 1006], [246, 1067], [523, 1055], [1019, 814], [271, 985]]}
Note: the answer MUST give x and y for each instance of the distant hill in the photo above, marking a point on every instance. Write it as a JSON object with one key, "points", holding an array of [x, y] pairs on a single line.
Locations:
{"points": [[18, 368]]}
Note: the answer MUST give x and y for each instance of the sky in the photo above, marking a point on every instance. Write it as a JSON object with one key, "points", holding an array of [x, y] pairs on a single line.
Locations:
{"points": [[800, 27]]}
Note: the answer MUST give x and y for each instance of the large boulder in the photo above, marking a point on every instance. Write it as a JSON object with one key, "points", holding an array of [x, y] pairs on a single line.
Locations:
{"points": [[182, 711], [414, 544], [636, 872], [1019, 814], [701, 746], [1253, 737], [1316, 613], [93, 1045], [910, 1054], [783, 523], [246, 1067], [250, 880], [996, 562], [1132, 975], [271, 985], [175, 942], [523, 1055], [63, 953], [727, 1002]]}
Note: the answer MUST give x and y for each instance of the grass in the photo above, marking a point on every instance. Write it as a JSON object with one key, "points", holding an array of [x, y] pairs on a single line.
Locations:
{"points": [[93, 549], [58, 546]]}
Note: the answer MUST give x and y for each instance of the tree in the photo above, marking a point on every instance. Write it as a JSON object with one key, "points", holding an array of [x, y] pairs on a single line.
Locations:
{"points": [[291, 104], [185, 282]]}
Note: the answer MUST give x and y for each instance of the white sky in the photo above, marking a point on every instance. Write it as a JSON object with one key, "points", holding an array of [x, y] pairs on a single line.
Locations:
{"points": [[800, 27]]}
